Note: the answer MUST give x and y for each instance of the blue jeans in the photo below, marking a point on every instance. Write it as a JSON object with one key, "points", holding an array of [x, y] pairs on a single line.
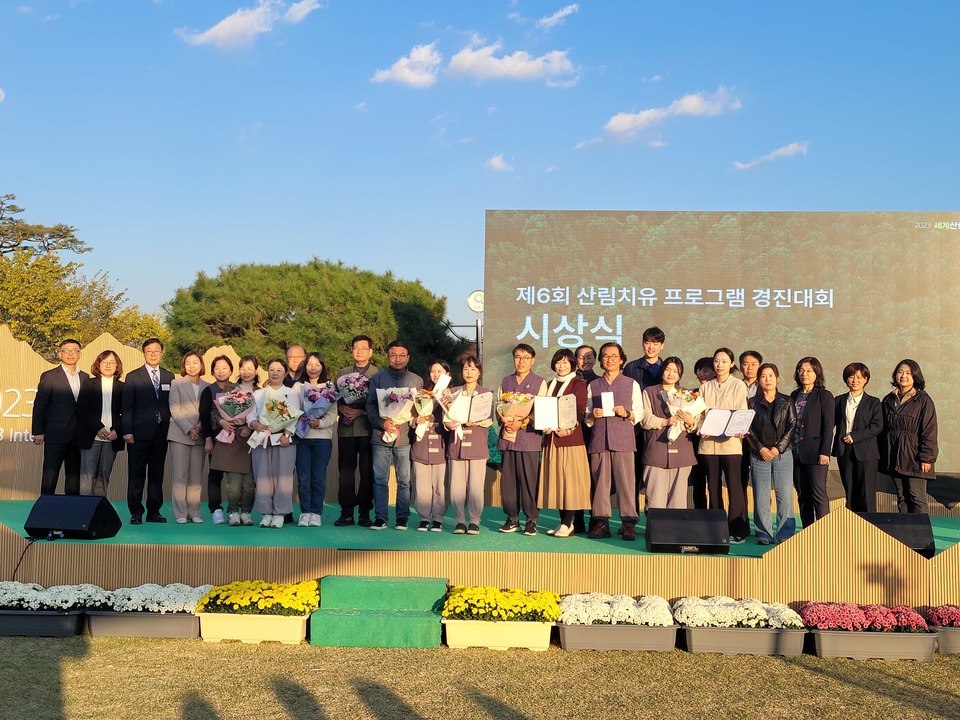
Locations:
{"points": [[383, 458], [780, 471], [313, 455]]}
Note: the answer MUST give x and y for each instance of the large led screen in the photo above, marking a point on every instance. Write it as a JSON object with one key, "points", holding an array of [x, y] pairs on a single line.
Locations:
{"points": [[870, 287]]}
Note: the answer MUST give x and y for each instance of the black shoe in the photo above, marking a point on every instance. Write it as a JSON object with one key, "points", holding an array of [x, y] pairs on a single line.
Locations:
{"points": [[380, 524], [460, 529], [401, 524], [288, 519], [136, 520], [734, 539], [436, 526], [156, 518], [365, 521], [343, 521], [424, 526], [530, 528], [473, 529], [578, 526], [510, 526], [600, 530]]}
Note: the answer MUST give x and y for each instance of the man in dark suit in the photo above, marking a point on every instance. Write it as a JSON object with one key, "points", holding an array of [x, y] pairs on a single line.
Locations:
{"points": [[858, 420], [55, 421], [146, 418]]}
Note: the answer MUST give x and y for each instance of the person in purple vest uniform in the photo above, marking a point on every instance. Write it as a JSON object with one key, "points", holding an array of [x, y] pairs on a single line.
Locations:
{"points": [[467, 457], [521, 455], [428, 452], [614, 406]]}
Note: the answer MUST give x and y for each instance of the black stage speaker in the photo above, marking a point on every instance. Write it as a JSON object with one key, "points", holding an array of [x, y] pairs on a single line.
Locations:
{"points": [[80, 517], [913, 530], [687, 531]]}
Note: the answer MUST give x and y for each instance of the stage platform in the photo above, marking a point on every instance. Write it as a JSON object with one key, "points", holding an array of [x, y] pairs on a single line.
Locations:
{"points": [[841, 557]]}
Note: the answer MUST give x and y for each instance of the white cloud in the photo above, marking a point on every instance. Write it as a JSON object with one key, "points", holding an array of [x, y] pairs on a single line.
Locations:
{"points": [[418, 69], [551, 169], [361, 106], [299, 10], [652, 78], [499, 164], [2, 94], [492, 110], [558, 17], [794, 148], [587, 143], [626, 125], [477, 61], [238, 30]]}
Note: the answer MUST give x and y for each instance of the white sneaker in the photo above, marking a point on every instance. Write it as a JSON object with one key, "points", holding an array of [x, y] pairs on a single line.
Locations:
{"points": [[304, 520], [181, 521], [245, 519], [218, 517], [267, 520], [234, 519], [277, 521], [197, 519], [316, 520]]}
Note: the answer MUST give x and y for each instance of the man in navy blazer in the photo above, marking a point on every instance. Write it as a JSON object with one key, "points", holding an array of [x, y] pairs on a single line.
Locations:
{"points": [[146, 417], [55, 421]]}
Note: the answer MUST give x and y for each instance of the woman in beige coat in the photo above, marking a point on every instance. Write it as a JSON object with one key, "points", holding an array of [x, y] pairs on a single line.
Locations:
{"points": [[186, 440]]}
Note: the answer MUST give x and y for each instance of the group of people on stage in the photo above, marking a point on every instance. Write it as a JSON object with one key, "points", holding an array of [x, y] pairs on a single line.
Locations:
{"points": [[635, 426]]}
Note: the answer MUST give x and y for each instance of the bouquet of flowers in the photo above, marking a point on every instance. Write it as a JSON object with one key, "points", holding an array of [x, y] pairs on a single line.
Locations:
{"points": [[258, 597], [354, 388], [277, 416], [316, 401], [514, 406], [488, 603], [233, 406], [395, 404], [423, 404], [603, 609], [680, 399]]}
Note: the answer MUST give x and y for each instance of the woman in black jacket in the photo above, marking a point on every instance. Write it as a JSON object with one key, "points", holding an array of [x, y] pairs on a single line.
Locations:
{"points": [[811, 446], [858, 421], [910, 422], [99, 433], [771, 462]]}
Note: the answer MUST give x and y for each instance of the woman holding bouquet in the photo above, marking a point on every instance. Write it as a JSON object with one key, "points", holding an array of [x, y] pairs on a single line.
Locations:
{"points": [[771, 461], [232, 405], [429, 454], [666, 461], [468, 456], [275, 410], [221, 368], [185, 440], [315, 430], [564, 470], [723, 454]]}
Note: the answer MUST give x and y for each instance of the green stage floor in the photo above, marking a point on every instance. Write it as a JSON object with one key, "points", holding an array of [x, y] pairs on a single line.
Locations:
{"points": [[13, 514]]}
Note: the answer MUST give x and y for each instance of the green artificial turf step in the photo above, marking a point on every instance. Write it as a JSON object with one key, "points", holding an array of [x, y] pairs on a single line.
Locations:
{"points": [[366, 592], [384, 628]]}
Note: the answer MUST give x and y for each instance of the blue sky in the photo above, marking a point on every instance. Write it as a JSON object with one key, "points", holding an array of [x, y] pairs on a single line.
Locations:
{"points": [[182, 136]]}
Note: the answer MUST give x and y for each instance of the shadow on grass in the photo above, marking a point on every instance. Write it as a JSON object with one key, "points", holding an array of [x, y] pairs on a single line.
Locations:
{"points": [[932, 701], [495, 707], [194, 707], [32, 674], [384, 702], [298, 701]]}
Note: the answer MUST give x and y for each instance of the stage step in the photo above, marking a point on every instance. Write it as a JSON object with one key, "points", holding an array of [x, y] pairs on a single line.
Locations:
{"points": [[375, 628], [385, 612], [365, 592]]}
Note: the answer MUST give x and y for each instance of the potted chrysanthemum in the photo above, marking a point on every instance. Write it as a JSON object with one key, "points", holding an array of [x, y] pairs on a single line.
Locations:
{"points": [[945, 621], [739, 627], [598, 621], [868, 631], [485, 616], [57, 611], [256, 610], [149, 610]]}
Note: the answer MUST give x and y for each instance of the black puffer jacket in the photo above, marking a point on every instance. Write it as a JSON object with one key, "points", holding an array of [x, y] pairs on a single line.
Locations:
{"points": [[911, 433]]}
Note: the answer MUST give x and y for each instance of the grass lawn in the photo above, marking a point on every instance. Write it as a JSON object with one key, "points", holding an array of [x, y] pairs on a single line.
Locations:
{"points": [[137, 679]]}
